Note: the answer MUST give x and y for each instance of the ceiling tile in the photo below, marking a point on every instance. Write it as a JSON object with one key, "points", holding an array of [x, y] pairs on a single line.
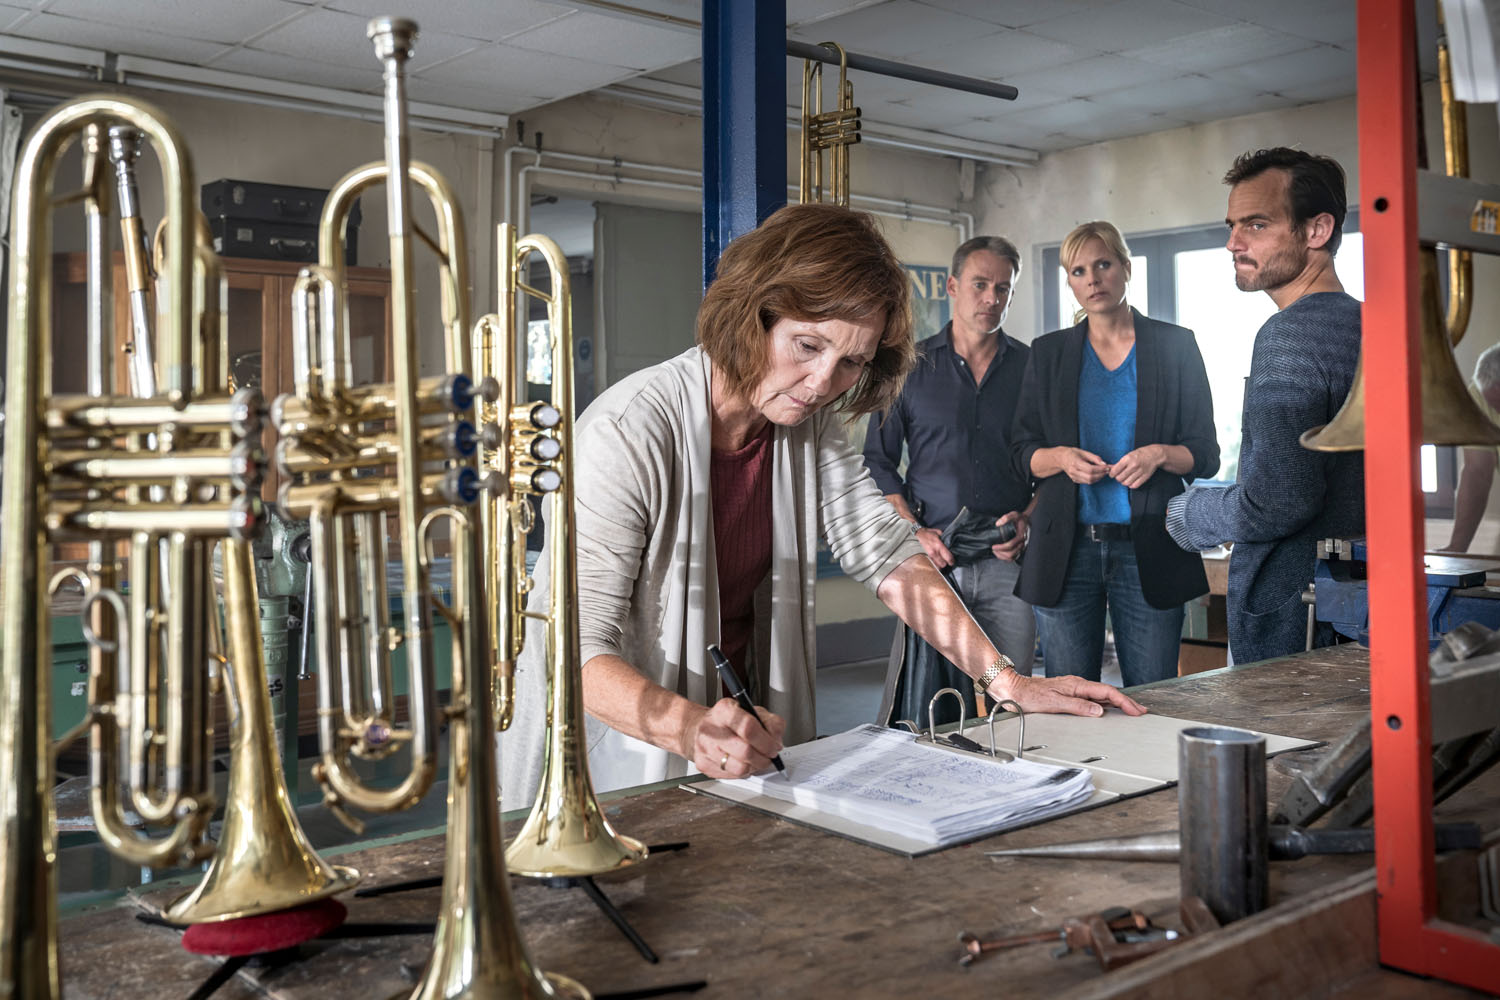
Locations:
{"points": [[1330, 21], [1212, 50], [1090, 76], [495, 99], [1128, 24], [800, 12], [489, 21], [1328, 90], [896, 28], [611, 40], [1055, 117], [522, 71], [338, 38], [1017, 13], [114, 38], [999, 55], [230, 23], [688, 74], [273, 66], [1235, 105], [1295, 69], [1122, 126], [1176, 96], [943, 107]]}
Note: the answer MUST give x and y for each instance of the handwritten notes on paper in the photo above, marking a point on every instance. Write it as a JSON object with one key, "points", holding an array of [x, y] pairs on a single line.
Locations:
{"points": [[883, 778]]}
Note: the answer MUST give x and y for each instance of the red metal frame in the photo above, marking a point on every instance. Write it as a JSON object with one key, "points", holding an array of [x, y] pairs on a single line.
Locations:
{"points": [[1411, 937]]}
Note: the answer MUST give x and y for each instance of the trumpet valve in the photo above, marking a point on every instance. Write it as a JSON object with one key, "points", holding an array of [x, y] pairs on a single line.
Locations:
{"points": [[461, 485], [247, 412], [542, 416], [536, 480], [459, 439]]}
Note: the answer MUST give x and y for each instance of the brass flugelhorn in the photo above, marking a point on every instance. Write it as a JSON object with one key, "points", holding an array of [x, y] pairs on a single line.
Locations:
{"points": [[178, 469], [338, 473], [835, 130], [566, 834]]}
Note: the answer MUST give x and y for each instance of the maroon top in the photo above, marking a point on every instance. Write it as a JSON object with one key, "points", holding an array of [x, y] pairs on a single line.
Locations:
{"points": [[741, 489]]}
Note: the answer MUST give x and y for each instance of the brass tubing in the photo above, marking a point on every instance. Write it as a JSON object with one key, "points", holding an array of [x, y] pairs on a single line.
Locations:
{"points": [[145, 468], [370, 452], [216, 518], [294, 415], [123, 414], [372, 493], [1456, 162]]}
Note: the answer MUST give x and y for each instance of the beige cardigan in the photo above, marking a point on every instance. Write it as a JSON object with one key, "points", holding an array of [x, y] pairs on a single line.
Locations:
{"points": [[647, 590]]}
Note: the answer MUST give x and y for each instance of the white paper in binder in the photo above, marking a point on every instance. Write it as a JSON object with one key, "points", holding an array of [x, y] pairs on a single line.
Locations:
{"points": [[884, 788]]}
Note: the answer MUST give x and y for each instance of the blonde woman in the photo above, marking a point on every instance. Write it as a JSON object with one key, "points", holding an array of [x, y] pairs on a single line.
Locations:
{"points": [[1115, 417]]}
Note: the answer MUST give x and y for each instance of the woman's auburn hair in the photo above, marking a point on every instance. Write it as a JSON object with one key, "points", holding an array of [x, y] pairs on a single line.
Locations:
{"points": [[810, 263]]}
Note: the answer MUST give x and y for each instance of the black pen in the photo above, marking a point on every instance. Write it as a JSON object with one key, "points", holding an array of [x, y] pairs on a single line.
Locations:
{"points": [[731, 681]]}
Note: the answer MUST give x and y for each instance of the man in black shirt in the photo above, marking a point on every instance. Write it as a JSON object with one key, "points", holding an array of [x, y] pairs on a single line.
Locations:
{"points": [[953, 418]]}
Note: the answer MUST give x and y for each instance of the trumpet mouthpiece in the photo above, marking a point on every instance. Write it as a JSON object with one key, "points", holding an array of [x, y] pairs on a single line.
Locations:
{"points": [[393, 36]]}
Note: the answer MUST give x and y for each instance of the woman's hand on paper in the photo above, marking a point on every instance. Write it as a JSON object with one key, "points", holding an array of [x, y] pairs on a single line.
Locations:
{"points": [[1062, 695], [725, 742]]}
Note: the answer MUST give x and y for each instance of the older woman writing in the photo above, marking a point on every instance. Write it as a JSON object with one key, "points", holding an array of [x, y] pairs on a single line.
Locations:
{"points": [[703, 484]]}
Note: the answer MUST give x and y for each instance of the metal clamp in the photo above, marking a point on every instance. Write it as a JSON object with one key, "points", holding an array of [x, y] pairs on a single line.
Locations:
{"points": [[932, 712], [1020, 736]]}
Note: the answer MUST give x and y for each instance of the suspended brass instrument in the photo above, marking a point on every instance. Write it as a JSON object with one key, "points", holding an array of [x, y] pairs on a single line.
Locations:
{"points": [[566, 834], [835, 130], [337, 452], [1449, 414], [173, 472]]}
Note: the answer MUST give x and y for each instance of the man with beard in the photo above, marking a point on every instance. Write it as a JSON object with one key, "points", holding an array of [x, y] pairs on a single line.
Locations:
{"points": [[1286, 213], [953, 420]]}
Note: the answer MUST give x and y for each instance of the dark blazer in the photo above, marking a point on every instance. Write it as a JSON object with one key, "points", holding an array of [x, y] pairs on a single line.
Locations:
{"points": [[1173, 406]]}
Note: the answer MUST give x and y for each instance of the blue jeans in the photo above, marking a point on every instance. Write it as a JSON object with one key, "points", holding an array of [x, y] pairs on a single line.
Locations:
{"points": [[1147, 639]]}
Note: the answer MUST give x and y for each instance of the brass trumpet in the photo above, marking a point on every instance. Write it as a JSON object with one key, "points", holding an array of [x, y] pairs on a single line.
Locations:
{"points": [[168, 475], [566, 834], [835, 129], [340, 443]]}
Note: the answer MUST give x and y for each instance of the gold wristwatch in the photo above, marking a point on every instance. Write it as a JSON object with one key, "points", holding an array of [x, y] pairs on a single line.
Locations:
{"points": [[992, 671]]}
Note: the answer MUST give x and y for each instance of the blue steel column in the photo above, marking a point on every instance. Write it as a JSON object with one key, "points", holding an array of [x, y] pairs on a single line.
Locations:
{"points": [[744, 119]]}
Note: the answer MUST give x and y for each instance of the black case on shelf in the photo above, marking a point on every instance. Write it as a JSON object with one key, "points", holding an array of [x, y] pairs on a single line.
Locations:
{"points": [[271, 221]]}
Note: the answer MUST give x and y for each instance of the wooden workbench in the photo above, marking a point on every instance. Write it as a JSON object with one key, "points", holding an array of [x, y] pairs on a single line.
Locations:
{"points": [[758, 906]]}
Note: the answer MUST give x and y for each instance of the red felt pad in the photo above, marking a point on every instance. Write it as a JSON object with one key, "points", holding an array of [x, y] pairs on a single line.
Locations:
{"points": [[266, 932]]}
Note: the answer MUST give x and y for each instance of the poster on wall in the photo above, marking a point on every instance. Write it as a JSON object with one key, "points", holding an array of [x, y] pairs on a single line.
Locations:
{"points": [[929, 298]]}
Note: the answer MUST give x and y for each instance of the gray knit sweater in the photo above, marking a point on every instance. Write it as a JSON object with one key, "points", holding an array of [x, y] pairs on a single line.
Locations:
{"points": [[1287, 497]]}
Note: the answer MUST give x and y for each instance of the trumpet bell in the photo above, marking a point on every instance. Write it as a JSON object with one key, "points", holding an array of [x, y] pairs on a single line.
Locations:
{"points": [[566, 835], [1449, 414], [264, 862]]}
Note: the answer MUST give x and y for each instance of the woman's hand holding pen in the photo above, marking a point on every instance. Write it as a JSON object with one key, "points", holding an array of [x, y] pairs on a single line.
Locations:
{"points": [[1066, 695], [725, 742]]}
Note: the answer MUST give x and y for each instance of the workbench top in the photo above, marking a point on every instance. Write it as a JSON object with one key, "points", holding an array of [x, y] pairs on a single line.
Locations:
{"points": [[758, 906]]}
